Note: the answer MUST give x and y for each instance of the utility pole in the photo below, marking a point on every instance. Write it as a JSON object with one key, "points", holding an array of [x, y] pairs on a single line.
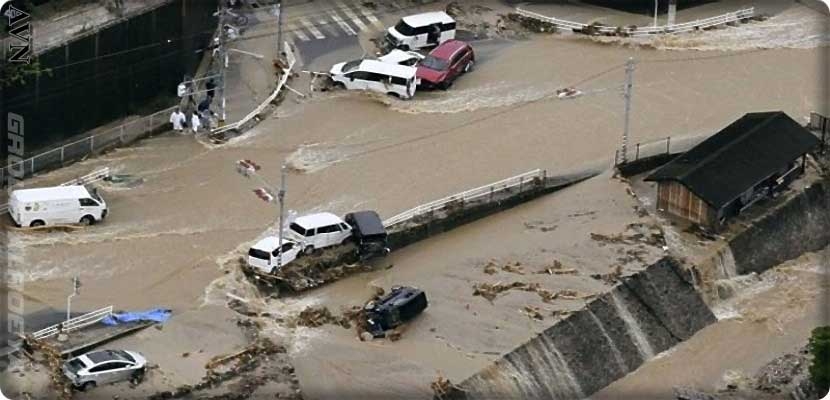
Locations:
{"points": [[281, 198], [223, 57], [76, 284], [655, 12], [629, 78], [279, 29]]}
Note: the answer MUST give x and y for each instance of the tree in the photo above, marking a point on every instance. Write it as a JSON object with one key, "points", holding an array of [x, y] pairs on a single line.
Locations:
{"points": [[820, 368], [16, 73]]}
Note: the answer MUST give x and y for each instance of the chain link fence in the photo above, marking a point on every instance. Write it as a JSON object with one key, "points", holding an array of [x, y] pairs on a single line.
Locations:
{"points": [[83, 148]]}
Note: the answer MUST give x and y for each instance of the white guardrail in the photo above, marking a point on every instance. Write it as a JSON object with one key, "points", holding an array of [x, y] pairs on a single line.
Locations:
{"points": [[74, 323], [91, 177], [469, 195], [646, 30], [286, 72]]}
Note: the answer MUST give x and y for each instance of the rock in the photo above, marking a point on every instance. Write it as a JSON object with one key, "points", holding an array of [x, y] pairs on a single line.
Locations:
{"points": [[685, 393]]}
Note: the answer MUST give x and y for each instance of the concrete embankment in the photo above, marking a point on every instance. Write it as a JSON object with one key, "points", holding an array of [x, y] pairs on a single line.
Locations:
{"points": [[647, 313]]}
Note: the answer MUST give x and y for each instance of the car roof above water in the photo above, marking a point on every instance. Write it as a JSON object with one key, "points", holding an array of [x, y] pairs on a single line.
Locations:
{"points": [[270, 243], [50, 193], [448, 49], [428, 18], [102, 356], [316, 220]]}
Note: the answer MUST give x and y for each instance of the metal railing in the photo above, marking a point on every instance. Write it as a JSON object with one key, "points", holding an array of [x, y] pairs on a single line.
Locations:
{"points": [[646, 30], [286, 72], [519, 181], [667, 145], [92, 177], [74, 323], [820, 125], [81, 148]]}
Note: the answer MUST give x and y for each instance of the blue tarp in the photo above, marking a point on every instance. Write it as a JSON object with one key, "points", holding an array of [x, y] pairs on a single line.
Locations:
{"points": [[155, 315]]}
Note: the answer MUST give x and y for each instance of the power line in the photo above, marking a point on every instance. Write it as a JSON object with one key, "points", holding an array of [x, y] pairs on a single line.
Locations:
{"points": [[475, 121]]}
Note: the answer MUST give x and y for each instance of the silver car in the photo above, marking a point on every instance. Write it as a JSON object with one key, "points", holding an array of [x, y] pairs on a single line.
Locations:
{"points": [[106, 366]]}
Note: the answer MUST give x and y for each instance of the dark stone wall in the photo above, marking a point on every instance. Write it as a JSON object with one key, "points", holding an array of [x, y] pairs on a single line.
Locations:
{"points": [[129, 68], [799, 226], [636, 167], [646, 314]]}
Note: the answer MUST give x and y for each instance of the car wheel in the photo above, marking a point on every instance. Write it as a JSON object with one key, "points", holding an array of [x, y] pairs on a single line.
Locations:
{"points": [[339, 85], [446, 85], [87, 386], [137, 377], [393, 94], [404, 47], [37, 223], [274, 271], [308, 250], [87, 220], [469, 66]]}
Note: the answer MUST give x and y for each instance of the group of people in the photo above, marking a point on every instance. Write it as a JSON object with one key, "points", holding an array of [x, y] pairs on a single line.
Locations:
{"points": [[203, 112]]}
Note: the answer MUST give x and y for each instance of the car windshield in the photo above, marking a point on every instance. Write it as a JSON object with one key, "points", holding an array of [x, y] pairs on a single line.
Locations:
{"points": [[404, 29], [297, 228], [74, 365], [257, 253], [351, 65], [123, 355], [94, 193], [285, 247], [434, 63]]}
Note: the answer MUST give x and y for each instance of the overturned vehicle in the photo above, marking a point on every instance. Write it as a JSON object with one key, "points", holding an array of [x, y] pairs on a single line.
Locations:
{"points": [[392, 310]]}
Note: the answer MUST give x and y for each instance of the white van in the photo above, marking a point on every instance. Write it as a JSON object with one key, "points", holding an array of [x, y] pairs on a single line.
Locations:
{"points": [[265, 253], [376, 76], [317, 231], [421, 30], [56, 205]]}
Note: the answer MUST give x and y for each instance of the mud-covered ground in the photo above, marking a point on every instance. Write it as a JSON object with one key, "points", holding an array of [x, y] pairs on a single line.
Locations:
{"points": [[174, 239]]}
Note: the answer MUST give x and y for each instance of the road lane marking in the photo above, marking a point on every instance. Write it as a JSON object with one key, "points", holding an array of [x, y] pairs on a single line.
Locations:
{"points": [[352, 16], [371, 17], [298, 32], [311, 28], [343, 25]]}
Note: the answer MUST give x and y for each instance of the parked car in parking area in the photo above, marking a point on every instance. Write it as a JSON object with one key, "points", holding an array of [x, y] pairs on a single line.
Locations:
{"points": [[444, 64], [264, 255], [421, 30], [105, 366], [318, 231], [376, 76]]}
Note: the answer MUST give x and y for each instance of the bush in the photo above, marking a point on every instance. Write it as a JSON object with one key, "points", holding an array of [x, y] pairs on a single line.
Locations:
{"points": [[820, 368]]}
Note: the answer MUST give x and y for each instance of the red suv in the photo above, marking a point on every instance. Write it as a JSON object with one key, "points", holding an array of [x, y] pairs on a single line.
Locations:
{"points": [[445, 63]]}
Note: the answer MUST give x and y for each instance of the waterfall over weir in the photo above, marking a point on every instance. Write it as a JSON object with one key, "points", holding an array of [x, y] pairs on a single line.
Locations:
{"points": [[634, 329], [647, 313]]}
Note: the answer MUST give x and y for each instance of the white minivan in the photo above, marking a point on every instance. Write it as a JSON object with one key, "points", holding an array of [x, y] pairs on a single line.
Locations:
{"points": [[56, 205], [317, 231], [376, 76], [421, 30], [264, 255]]}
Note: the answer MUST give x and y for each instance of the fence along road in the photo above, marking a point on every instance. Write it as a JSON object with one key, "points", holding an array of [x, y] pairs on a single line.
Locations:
{"points": [[740, 15], [79, 149]]}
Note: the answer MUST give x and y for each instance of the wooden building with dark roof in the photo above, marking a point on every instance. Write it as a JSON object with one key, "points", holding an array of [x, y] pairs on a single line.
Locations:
{"points": [[752, 158]]}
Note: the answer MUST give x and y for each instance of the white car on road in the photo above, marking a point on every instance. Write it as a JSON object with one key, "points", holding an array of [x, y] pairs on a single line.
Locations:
{"points": [[318, 231], [105, 366]]}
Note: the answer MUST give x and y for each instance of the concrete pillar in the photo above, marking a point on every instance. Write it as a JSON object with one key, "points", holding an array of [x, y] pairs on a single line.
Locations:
{"points": [[672, 11]]}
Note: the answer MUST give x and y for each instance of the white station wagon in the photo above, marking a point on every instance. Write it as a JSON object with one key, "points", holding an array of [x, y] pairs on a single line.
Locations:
{"points": [[375, 76], [264, 255], [318, 231]]}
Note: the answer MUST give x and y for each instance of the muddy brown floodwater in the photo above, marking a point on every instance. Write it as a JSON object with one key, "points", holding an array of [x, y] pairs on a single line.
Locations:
{"points": [[167, 239]]}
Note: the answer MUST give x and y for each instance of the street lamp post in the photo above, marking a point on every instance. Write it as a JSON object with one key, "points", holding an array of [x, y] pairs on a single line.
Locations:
{"points": [[248, 168], [655, 12]]}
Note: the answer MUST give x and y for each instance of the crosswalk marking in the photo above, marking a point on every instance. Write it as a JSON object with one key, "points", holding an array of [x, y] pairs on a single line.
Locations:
{"points": [[371, 17], [343, 25], [311, 28], [298, 32], [326, 26], [353, 17]]}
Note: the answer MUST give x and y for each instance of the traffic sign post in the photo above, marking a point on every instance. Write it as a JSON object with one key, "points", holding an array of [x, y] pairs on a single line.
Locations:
{"points": [[76, 286]]}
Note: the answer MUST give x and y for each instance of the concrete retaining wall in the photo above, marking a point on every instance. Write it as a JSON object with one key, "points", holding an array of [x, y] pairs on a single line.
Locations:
{"points": [[614, 334], [799, 226]]}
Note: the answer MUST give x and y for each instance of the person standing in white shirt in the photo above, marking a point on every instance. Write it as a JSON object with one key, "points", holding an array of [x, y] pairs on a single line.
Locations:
{"points": [[195, 122], [177, 118]]}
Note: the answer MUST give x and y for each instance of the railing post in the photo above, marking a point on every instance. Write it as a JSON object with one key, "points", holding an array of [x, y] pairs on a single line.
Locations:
{"points": [[521, 182], [92, 144], [33, 167], [668, 145], [121, 134], [62, 149], [637, 154]]}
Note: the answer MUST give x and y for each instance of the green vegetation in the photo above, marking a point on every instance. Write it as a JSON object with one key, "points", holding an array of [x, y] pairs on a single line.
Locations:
{"points": [[820, 369], [12, 74]]}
